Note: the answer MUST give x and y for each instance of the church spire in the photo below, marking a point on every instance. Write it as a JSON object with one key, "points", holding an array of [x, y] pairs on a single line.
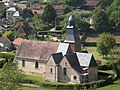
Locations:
{"points": [[72, 35]]}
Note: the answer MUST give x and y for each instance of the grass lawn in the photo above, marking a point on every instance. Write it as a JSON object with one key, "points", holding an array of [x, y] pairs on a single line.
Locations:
{"points": [[115, 86], [31, 88], [95, 53]]}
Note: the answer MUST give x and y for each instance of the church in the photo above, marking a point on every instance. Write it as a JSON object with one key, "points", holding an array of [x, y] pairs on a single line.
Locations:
{"points": [[58, 62]]}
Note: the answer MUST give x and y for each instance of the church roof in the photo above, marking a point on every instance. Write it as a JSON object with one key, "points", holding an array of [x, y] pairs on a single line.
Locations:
{"points": [[63, 47], [57, 57], [40, 50]]}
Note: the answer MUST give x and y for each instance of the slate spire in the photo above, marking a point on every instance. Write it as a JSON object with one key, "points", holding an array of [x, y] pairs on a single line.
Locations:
{"points": [[72, 35]]}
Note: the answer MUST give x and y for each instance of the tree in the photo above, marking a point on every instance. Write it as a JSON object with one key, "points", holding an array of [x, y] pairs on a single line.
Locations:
{"points": [[49, 14], [2, 11], [113, 13], [105, 3], [67, 9], [11, 77], [105, 44], [74, 2], [100, 21]]}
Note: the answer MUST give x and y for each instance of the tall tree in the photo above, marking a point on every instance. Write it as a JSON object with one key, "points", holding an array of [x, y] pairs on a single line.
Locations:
{"points": [[11, 77], [100, 21], [105, 44], [49, 14], [74, 2], [113, 12], [105, 3]]}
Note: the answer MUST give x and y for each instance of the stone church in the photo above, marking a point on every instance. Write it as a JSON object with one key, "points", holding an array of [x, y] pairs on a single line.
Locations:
{"points": [[58, 62]]}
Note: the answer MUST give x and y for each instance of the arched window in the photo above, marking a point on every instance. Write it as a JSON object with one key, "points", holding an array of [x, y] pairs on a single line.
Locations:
{"points": [[36, 64], [23, 63], [51, 71], [64, 71]]}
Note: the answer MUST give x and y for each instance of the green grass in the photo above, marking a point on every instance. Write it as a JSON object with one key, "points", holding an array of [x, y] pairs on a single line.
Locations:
{"points": [[115, 86], [95, 53], [31, 88]]}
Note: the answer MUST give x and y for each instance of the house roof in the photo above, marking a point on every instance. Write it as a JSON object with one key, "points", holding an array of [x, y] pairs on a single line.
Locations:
{"points": [[57, 57], [25, 28], [63, 47], [58, 7], [40, 50], [16, 14], [11, 9], [91, 3], [4, 42], [36, 11], [17, 41]]}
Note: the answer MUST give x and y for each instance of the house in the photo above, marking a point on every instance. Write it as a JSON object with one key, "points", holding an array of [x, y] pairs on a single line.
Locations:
{"points": [[58, 62], [5, 44], [25, 28], [27, 14], [11, 14]]}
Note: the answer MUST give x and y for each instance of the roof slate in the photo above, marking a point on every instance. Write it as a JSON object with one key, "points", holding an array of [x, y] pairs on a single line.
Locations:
{"points": [[40, 50]]}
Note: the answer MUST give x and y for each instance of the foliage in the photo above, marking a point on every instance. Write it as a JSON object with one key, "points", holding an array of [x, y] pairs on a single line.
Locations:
{"points": [[105, 44], [9, 34], [2, 11], [49, 14], [8, 55], [74, 2], [67, 9], [113, 13], [105, 3], [10, 77], [100, 21]]}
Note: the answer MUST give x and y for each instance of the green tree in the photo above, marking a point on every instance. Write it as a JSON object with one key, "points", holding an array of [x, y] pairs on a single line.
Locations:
{"points": [[49, 14], [100, 21], [113, 13], [74, 2], [9, 34], [11, 77], [105, 44], [105, 3], [67, 9], [2, 11]]}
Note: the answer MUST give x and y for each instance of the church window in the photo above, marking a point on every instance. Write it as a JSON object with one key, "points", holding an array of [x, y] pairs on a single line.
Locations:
{"points": [[23, 63], [75, 78], [51, 70], [64, 71], [36, 64]]}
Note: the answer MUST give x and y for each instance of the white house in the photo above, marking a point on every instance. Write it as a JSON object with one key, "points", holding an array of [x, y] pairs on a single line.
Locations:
{"points": [[11, 14]]}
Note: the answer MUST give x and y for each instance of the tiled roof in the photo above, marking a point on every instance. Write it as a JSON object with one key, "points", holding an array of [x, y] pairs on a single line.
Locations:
{"points": [[58, 7], [40, 50], [25, 28], [91, 3], [36, 11], [11, 9], [17, 41], [57, 57]]}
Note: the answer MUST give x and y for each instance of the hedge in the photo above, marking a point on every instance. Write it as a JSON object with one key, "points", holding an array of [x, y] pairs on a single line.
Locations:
{"points": [[7, 55], [59, 86], [89, 43]]}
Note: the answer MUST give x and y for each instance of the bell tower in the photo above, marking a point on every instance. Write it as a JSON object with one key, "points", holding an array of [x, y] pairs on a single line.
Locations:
{"points": [[72, 35]]}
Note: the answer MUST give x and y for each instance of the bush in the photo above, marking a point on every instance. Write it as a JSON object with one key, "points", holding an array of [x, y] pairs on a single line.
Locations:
{"points": [[89, 43], [104, 67]]}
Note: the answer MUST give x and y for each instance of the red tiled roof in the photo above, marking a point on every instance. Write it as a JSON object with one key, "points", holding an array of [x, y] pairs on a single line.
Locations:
{"points": [[58, 7], [17, 41], [91, 3], [35, 11], [39, 50]]}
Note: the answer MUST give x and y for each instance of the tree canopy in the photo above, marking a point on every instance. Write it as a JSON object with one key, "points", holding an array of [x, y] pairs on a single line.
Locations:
{"points": [[74, 2], [49, 14], [105, 44], [100, 21], [11, 76], [113, 13]]}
